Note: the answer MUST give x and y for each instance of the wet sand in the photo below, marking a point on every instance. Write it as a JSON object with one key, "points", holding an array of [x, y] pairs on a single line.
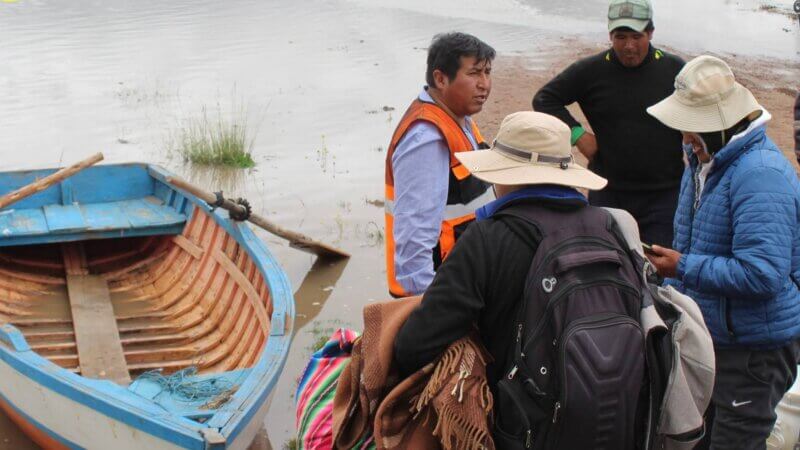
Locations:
{"points": [[324, 84], [774, 83]]}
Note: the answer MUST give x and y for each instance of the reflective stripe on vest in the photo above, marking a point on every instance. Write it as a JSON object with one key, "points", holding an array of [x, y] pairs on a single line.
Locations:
{"points": [[461, 182], [452, 211]]}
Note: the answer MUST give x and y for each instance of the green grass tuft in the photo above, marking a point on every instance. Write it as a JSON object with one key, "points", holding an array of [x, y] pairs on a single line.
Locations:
{"points": [[216, 143]]}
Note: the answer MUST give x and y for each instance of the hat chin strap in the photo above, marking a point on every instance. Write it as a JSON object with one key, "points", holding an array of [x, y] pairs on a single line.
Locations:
{"points": [[514, 153]]}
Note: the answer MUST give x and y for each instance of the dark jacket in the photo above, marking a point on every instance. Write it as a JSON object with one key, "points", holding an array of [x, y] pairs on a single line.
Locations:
{"points": [[480, 283], [741, 244], [635, 151]]}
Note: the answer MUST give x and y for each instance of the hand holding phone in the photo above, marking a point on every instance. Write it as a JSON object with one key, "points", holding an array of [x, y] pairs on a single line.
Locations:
{"points": [[665, 259]]}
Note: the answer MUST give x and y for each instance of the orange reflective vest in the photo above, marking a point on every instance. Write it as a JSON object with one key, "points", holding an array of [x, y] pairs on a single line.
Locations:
{"points": [[462, 189]]}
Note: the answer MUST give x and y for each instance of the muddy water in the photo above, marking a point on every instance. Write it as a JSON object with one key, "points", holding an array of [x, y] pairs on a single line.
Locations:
{"points": [[320, 84]]}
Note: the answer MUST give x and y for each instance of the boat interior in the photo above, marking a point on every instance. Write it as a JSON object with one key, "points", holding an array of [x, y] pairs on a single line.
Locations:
{"points": [[119, 307]]}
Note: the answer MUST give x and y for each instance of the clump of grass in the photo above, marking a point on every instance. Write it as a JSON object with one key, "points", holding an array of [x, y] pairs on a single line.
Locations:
{"points": [[320, 335], [291, 444], [319, 343], [217, 142]]}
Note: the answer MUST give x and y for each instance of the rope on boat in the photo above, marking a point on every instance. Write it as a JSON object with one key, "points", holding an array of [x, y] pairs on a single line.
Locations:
{"points": [[244, 215], [247, 210], [181, 385], [219, 201]]}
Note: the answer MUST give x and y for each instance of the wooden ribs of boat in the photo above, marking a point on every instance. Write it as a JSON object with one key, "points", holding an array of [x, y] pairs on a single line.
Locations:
{"points": [[192, 299]]}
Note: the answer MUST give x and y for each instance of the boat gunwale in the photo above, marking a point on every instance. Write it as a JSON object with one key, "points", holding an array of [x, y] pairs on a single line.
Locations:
{"points": [[121, 404]]}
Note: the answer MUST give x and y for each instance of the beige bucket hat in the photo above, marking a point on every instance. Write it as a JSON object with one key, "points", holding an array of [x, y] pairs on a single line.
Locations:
{"points": [[706, 98], [530, 148]]}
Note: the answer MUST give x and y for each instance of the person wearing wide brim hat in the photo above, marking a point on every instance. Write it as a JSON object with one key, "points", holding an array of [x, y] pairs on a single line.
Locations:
{"points": [[530, 148], [531, 166], [737, 247]]}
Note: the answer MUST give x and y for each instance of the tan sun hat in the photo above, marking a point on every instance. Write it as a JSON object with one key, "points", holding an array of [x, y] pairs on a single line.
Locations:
{"points": [[530, 148], [706, 98]]}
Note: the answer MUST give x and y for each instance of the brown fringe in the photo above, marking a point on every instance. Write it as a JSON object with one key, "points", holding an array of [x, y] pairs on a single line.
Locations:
{"points": [[441, 374], [456, 433]]}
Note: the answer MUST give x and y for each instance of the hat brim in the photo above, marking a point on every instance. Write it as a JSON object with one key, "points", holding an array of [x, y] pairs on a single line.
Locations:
{"points": [[492, 167], [634, 24], [677, 115]]}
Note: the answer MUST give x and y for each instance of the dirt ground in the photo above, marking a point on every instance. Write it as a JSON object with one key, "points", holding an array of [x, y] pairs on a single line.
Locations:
{"points": [[515, 80]]}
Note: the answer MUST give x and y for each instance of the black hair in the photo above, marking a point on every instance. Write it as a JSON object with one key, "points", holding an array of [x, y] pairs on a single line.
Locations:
{"points": [[446, 51]]}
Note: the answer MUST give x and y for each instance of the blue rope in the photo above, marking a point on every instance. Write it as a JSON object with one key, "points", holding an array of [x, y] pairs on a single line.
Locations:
{"points": [[180, 385]]}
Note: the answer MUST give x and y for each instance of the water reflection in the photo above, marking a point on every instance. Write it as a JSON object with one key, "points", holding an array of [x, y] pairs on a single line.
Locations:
{"points": [[315, 76], [315, 289]]}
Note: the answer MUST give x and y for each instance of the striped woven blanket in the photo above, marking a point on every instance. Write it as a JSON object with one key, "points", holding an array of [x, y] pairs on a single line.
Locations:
{"points": [[316, 390]]}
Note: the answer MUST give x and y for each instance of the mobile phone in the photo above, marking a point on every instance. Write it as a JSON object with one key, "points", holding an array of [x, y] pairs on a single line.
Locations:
{"points": [[648, 248]]}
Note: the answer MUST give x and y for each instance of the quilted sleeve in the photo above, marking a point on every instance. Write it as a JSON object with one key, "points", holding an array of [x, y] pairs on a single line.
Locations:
{"points": [[764, 212], [797, 127]]}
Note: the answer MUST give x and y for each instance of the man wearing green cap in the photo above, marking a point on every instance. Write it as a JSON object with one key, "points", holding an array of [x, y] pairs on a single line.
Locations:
{"points": [[640, 157]]}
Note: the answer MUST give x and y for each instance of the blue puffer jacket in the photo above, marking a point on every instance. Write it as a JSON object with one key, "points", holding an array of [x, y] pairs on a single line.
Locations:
{"points": [[741, 247]]}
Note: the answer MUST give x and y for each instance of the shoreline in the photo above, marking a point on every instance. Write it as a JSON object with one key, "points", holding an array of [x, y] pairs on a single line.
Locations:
{"points": [[515, 79]]}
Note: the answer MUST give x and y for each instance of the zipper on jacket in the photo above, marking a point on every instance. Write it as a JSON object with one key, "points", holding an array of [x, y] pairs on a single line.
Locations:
{"points": [[726, 307]]}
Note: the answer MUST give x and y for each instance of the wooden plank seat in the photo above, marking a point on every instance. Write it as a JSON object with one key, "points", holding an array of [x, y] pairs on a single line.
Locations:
{"points": [[63, 223], [100, 353]]}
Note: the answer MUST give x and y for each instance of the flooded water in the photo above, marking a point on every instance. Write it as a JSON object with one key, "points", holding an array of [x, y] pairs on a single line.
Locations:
{"points": [[320, 85]]}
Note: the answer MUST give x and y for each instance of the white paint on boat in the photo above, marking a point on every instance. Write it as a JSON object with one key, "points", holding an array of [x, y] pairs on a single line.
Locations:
{"points": [[71, 420]]}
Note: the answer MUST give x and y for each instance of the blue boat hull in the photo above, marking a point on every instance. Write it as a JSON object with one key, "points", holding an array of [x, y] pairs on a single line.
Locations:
{"points": [[190, 289]]}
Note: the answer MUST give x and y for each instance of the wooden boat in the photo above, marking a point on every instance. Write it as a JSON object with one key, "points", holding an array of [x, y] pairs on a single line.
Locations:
{"points": [[114, 273]]}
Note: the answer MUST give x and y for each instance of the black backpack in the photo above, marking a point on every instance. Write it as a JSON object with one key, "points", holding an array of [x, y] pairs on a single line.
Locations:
{"points": [[578, 378]]}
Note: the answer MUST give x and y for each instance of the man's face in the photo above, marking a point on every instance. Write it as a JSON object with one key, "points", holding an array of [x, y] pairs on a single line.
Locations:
{"points": [[631, 46], [466, 93]]}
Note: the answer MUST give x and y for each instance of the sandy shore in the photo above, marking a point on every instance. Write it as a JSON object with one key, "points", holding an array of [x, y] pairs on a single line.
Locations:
{"points": [[516, 79]]}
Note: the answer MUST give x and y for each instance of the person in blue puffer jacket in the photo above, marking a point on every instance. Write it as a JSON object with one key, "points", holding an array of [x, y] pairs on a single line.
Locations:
{"points": [[736, 248]]}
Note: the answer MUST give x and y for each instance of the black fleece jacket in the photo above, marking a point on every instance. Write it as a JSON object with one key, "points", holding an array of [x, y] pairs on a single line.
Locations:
{"points": [[635, 151], [479, 284]]}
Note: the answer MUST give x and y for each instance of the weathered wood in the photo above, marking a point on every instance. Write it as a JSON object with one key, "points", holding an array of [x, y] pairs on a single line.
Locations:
{"points": [[203, 301], [244, 284], [74, 258], [190, 247], [42, 279], [296, 240], [46, 182], [99, 349]]}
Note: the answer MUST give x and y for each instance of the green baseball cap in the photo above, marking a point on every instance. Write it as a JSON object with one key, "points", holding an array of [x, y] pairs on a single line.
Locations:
{"points": [[633, 14]]}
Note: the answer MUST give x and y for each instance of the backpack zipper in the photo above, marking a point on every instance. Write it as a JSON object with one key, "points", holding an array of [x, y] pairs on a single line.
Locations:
{"points": [[553, 253], [515, 400], [577, 240], [568, 289]]}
